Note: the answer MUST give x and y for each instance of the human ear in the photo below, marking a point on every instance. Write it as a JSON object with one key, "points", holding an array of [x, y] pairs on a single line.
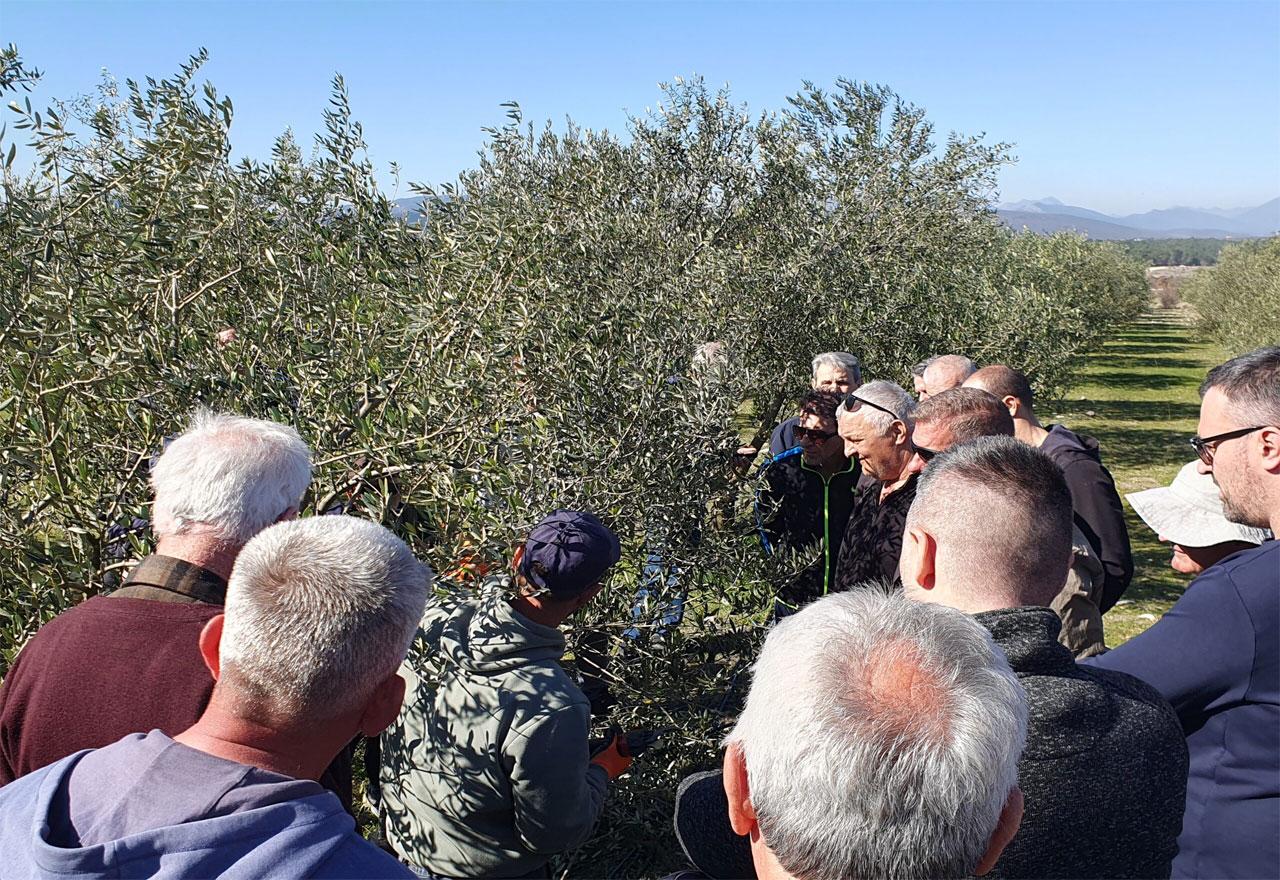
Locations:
{"points": [[1006, 828], [737, 789], [918, 563], [1269, 447], [383, 706], [210, 641]]}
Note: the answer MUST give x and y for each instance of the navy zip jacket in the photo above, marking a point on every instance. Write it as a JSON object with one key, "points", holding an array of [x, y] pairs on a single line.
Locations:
{"points": [[1215, 656], [1097, 506], [797, 508]]}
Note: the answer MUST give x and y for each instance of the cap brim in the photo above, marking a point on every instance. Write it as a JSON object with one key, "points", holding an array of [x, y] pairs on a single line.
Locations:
{"points": [[703, 829], [1189, 526]]}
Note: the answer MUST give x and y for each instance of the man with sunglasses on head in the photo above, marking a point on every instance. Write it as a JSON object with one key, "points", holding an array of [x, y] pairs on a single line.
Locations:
{"points": [[875, 423], [1215, 655], [805, 499]]}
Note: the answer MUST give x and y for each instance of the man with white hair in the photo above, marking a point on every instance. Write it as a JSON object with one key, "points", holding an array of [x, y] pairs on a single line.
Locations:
{"points": [[838, 372], [128, 661], [945, 372], [1104, 771], [875, 423], [880, 739], [1215, 655], [319, 614]]}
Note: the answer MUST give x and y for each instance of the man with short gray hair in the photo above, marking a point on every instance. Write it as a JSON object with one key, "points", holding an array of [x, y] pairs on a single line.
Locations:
{"points": [[880, 738], [875, 423], [128, 661], [319, 614], [945, 372], [837, 372], [1104, 771]]}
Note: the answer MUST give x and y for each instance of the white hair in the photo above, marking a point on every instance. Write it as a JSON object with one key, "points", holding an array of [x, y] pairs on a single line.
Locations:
{"points": [[842, 359], [230, 474], [319, 611], [889, 395], [881, 738]]}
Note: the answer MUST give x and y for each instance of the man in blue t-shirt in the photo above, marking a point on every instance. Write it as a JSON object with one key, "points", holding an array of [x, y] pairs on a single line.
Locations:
{"points": [[1216, 654], [319, 614]]}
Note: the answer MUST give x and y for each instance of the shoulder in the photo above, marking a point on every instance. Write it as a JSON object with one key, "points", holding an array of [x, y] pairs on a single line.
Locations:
{"points": [[356, 857]]}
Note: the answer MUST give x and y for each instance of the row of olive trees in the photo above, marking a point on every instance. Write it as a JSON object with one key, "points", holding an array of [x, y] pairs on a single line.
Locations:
{"points": [[1238, 300], [528, 345]]}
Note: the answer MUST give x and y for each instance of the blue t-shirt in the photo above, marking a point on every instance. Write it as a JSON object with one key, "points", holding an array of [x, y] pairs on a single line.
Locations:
{"points": [[1215, 656], [147, 806]]}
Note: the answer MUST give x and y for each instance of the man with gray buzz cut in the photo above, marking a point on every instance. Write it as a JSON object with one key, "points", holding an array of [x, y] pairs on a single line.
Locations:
{"points": [[906, 767], [319, 615], [838, 372], [1104, 770], [945, 372]]}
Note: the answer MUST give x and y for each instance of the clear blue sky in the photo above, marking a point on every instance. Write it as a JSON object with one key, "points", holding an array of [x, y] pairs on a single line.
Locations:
{"points": [[1118, 106]]}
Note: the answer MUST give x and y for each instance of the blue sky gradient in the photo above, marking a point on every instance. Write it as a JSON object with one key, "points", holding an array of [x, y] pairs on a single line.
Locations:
{"points": [[1117, 106]]}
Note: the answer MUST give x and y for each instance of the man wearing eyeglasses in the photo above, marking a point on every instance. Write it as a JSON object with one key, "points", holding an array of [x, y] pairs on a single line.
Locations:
{"points": [[805, 500], [875, 423], [1215, 655]]}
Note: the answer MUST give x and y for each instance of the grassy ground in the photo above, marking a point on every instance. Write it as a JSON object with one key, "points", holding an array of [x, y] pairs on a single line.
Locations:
{"points": [[1139, 398]]}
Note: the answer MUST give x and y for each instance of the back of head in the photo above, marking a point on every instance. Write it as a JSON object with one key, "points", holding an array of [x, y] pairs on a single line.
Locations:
{"points": [[969, 413], [889, 400], [229, 476], [842, 360], [1251, 384], [948, 371], [1000, 512], [1003, 382], [319, 612], [918, 369], [881, 739]]}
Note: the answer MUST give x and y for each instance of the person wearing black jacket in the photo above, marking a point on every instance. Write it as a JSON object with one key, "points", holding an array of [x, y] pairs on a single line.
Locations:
{"points": [[1093, 492], [804, 499]]}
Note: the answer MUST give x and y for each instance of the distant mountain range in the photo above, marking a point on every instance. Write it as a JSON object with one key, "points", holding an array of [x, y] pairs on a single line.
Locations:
{"points": [[1051, 215]]}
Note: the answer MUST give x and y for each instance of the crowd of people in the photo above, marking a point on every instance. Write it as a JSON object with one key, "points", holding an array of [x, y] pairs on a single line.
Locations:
{"points": [[933, 698]]}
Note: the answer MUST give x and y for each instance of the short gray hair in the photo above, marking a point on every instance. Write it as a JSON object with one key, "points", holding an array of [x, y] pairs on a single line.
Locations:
{"points": [[1000, 511], [957, 366], [853, 774], [230, 474], [842, 359], [1251, 383], [319, 612], [887, 394]]}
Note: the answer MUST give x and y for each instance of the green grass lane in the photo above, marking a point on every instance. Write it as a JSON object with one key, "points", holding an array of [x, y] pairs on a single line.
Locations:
{"points": [[1139, 397]]}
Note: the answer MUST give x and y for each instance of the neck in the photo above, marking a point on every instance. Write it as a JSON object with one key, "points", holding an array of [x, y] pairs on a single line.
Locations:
{"points": [[900, 473], [1029, 431], [537, 612], [767, 865], [829, 468], [215, 555], [302, 751]]}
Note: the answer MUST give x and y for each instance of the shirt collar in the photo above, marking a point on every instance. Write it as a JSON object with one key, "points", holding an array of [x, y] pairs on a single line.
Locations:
{"points": [[184, 581]]}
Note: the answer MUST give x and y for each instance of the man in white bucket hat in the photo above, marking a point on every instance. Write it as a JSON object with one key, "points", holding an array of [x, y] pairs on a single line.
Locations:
{"points": [[1188, 513]]}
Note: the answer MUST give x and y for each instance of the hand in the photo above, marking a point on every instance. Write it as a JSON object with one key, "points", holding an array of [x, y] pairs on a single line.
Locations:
{"points": [[614, 758]]}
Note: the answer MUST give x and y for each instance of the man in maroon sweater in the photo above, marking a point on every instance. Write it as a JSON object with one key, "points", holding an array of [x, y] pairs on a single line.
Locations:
{"points": [[129, 662]]}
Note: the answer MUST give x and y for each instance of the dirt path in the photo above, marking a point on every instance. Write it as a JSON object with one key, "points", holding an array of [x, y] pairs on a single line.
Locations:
{"points": [[1139, 398]]}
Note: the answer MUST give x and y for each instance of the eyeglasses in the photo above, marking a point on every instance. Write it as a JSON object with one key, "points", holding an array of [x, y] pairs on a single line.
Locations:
{"points": [[926, 454], [1205, 450], [853, 401], [813, 434]]}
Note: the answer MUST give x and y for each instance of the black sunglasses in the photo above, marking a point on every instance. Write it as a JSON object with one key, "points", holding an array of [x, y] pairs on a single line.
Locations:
{"points": [[1202, 444], [853, 401], [813, 434], [926, 454]]}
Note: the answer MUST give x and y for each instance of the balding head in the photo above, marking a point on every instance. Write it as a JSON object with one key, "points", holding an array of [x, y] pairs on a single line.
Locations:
{"points": [[1006, 384], [990, 528], [913, 726], [946, 371]]}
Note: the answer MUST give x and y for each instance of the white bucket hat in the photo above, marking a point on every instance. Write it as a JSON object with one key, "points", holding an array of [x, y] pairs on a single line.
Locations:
{"points": [[1189, 512]]}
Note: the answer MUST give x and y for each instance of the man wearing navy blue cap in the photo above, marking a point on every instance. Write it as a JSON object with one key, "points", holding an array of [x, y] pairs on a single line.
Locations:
{"points": [[487, 773]]}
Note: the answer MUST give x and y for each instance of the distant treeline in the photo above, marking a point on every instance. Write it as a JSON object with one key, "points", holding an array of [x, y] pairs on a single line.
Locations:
{"points": [[1176, 251]]}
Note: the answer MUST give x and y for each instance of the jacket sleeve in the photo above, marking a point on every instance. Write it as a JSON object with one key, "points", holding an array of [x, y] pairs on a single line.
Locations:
{"points": [[1096, 502], [557, 794], [1199, 655]]}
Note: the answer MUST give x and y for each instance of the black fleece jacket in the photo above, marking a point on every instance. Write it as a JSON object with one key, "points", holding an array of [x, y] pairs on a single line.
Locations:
{"points": [[1099, 511]]}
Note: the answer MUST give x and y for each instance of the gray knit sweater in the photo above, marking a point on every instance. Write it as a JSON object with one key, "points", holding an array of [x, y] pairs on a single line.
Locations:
{"points": [[1104, 772]]}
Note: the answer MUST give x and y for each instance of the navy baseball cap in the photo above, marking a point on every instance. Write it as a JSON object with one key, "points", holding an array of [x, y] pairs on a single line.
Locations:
{"points": [[568, 552]]}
